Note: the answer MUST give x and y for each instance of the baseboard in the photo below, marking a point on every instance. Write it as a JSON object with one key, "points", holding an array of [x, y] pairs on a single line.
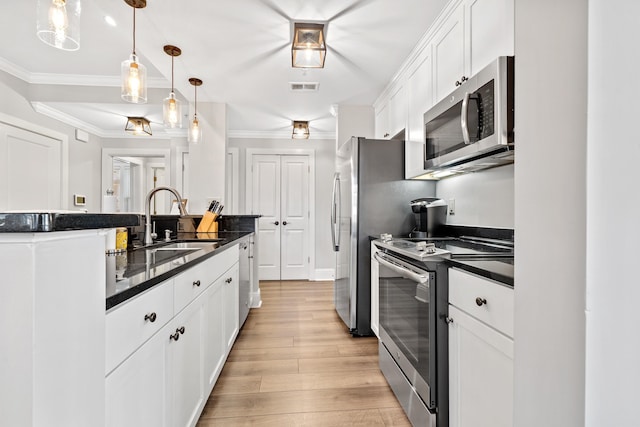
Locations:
{"points": [[323, 274], [256, 300]]}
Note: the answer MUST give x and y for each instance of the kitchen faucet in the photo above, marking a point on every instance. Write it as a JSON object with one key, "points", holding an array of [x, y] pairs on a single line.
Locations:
{"points": [[148, 238]]}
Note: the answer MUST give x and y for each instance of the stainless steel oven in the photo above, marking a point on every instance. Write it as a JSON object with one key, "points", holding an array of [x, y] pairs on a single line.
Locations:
{"points": [[413, 333]]}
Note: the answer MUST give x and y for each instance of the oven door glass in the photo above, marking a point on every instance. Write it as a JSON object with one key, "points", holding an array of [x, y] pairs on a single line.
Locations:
{"points": [[407, 315]]}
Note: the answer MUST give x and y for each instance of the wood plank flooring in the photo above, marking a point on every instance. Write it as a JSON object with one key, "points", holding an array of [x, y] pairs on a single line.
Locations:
{"points": [[295, 364]]}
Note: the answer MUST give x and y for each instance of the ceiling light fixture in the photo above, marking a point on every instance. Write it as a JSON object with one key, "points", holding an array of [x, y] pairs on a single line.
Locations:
{"points": [[58, 23], [195, 132], [171, 107], [138, 126], [308, 49], [300, 130], [134, 74]]}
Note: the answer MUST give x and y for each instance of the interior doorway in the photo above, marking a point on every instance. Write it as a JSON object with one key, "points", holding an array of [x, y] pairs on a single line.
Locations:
{"points": [[280, 188]]}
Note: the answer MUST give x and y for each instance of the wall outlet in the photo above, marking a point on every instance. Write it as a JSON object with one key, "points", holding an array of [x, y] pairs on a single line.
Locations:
{"points": [[451, 206]]}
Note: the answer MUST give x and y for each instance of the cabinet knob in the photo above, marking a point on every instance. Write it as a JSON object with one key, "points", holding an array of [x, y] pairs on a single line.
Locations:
{"points": [[196, 283], [458, 83], [480, 301], [277, 223], [229, 280], [448, 320], [175, 336], [464, 79], [284, 222], [180, 330], [151, 317], [386, 135]]}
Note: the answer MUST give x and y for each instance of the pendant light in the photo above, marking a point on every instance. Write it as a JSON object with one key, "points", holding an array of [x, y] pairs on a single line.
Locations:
{"points": [[195, 132], [134, 74], [58, 23], [171, 108]]}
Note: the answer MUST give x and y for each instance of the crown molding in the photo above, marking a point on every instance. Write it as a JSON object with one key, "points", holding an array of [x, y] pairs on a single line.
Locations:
{"points": [[72, 79], [252, 134], [65, 118]]}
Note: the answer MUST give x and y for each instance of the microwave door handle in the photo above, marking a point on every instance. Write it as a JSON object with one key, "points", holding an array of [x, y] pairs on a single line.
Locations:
{"points": [[464, 114], [407, 274]]}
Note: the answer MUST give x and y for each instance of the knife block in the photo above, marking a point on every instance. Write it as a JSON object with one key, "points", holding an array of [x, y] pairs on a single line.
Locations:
{"points": [[208, 224]]}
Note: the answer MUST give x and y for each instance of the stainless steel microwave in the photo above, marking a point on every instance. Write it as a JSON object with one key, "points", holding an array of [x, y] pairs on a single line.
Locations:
{"points": [[472, 128]]}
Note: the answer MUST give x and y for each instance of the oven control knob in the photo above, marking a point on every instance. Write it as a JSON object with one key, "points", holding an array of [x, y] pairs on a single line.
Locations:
{"points": [[385, 237], [425, 247]]}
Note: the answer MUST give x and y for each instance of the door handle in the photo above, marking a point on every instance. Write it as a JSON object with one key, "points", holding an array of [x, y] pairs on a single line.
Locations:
{"points": [[284, 222], [276, 223]]}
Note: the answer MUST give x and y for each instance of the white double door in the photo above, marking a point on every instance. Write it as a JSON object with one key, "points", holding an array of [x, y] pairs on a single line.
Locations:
{"points": [[280, 193]]}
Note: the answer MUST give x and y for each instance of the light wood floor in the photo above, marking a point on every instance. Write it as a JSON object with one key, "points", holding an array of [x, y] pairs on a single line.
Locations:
{"points": [[295, 364]]}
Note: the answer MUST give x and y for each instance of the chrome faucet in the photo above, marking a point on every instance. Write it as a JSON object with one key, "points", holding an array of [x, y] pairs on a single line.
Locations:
{"points": [[148, 238]]}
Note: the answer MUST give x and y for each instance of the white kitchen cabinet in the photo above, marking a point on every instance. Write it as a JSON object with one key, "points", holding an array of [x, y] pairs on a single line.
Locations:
{"points": [[136, 391], [382, 122], [215, 343], [489, 31], [375, 292], [397, 111], [166, 379], [420, 99], [449, 54], [184, 353], [230, 297], [480, 352]]}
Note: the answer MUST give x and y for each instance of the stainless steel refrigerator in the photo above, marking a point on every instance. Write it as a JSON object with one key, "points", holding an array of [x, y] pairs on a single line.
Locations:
{"points": [[370, 197]]}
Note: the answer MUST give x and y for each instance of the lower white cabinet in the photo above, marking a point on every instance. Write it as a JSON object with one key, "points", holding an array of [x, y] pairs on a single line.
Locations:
{"points": [[136, 391], [167, 379], [480, 353]]}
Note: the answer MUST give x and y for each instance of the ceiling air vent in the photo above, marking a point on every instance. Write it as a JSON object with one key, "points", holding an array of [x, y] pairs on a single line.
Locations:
{"points": [[304, 86]]}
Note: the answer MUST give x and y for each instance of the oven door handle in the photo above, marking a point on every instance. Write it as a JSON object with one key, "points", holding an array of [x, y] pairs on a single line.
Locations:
{"points": [[404, 272]]}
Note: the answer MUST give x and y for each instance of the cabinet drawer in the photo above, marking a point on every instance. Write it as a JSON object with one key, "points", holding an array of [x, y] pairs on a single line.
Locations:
{"points": [[128, 326], [484, 299], [193, 282]]}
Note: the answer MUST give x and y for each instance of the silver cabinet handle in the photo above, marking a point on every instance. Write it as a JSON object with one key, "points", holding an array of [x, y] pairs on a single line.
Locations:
{"points": [[335, 226]]}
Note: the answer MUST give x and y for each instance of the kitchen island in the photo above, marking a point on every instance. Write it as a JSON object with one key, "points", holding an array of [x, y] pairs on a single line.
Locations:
{"points": [[57, 348]]}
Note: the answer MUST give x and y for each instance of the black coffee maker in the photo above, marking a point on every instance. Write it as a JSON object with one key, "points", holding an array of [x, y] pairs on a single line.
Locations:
{"points": [[431, 216]]}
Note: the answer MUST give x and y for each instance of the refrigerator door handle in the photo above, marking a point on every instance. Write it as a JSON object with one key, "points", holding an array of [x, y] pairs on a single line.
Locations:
{"points": [[334, 213]]}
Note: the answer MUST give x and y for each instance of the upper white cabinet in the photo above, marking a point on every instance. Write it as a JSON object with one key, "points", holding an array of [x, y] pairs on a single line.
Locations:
{"points": [[420, 99], [490, 31], [449, 54], [465, 38], [382, 122]]}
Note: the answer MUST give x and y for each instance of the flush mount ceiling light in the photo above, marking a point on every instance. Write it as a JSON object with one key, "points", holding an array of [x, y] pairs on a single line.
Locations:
{"points": [[308, 49], [171, 108], [134, 74], [195, 132], [138, 126], [58, 23], [300, 130]]}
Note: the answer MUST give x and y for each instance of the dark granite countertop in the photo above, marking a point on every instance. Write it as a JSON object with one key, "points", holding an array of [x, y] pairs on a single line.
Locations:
{"points": [[30, 222], [134, 271], [499, 269]]}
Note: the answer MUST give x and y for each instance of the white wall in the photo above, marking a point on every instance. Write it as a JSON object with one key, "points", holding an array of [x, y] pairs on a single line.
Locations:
{"points": [[84, 157], [550, 213], [325, 160], [484, 198], [613, 205], [207, 159], [354, 120]]}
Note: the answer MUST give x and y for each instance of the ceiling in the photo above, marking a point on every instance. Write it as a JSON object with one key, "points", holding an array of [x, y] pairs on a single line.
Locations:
{"points": [[241, 49]]}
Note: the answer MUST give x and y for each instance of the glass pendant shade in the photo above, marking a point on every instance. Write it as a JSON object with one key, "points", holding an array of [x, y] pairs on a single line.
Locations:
{"points": [[58, 23], [172, 112], [134, 81], [308, 49], [195, 132]]}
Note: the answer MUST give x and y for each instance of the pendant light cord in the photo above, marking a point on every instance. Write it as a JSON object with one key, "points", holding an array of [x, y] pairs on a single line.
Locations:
{"points": [[134, 30], [172, 73]]}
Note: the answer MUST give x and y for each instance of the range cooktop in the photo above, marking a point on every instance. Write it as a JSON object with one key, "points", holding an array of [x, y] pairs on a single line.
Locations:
{"points": [[468, 248]]}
